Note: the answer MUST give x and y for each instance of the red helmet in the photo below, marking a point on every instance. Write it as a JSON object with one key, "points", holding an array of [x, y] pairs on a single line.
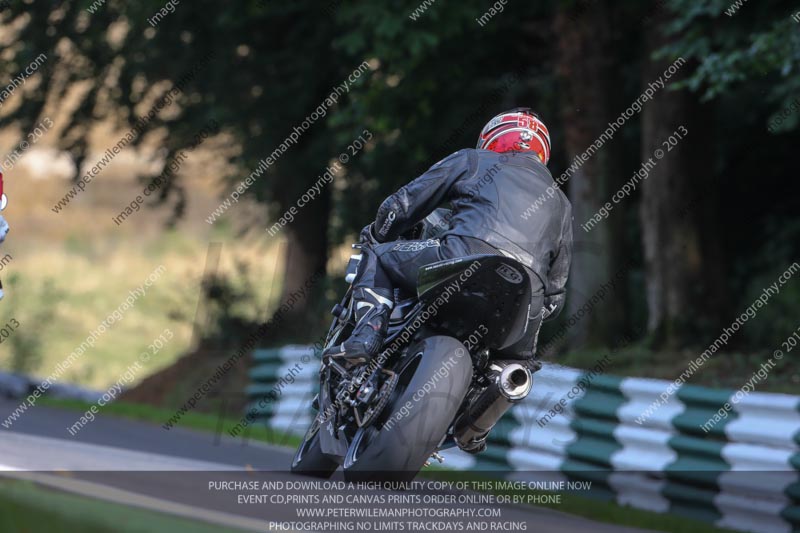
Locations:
{"points": [[518, 130]]}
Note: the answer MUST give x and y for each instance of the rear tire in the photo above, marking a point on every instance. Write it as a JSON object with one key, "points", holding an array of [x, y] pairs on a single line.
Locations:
{"points": [[397, 446], [309, 460]]}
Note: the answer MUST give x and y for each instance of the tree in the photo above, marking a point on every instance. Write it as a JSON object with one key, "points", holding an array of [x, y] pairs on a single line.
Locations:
{"points": [[684, 263], [247, 74], [586, 55]]}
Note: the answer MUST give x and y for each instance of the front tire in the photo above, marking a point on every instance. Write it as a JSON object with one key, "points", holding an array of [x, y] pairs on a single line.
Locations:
{"points": [[432, 387], [309, 460]]}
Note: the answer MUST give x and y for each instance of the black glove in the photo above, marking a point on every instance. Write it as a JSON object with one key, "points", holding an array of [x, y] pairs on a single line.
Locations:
{"points": [[367, 236]]}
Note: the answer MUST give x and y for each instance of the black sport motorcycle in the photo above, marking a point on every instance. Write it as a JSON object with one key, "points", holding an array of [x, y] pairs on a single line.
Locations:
{"points": [[439, 380]]}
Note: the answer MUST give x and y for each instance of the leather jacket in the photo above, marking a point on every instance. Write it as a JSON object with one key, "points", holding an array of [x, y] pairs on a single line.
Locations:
{"points": [[509, 201]]}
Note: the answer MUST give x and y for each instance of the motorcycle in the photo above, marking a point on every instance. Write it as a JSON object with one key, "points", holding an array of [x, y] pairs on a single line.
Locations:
{"points": [[439, 380]]}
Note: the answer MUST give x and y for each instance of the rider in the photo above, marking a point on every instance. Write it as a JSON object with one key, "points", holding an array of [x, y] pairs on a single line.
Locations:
{"points": [[492, 191]]}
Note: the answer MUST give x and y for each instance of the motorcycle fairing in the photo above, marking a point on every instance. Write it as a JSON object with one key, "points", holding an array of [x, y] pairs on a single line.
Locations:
{"points": [[489, 290]]}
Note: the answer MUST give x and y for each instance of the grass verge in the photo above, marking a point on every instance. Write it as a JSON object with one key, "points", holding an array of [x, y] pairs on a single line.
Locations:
{"points": [[25, 506]]}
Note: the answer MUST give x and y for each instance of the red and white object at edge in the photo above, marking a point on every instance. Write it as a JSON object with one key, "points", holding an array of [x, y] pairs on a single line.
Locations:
{"points": [[3, 197], [3, 223]]}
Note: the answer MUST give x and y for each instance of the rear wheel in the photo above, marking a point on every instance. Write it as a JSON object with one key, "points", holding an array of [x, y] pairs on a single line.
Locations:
{"points": [[309, 459], [431, 389]]}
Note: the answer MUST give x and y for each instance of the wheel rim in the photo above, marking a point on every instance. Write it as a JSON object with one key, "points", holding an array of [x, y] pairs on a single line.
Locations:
{"points": [[361, 441], [364, 436]]}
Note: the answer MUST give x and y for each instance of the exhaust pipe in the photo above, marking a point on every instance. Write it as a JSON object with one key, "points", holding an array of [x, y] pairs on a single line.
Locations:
{"points": [[512, 382]]}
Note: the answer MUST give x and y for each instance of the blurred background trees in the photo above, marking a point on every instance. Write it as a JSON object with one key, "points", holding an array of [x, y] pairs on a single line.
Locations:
{"points": [[715, 221]]}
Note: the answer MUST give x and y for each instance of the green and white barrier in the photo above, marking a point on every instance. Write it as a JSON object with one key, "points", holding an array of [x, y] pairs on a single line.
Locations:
{"points": [[283, 382], [639, 441]]}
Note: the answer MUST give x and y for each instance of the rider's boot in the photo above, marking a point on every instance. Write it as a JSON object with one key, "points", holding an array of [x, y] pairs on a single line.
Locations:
{"points": [[372, 310]]}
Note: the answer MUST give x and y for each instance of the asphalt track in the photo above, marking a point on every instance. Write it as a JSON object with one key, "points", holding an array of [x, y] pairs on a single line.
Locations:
{"points": [[143, 465]]}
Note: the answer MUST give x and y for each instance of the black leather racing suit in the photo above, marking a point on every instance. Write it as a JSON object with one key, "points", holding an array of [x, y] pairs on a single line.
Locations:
{"points": [[502, 203]]}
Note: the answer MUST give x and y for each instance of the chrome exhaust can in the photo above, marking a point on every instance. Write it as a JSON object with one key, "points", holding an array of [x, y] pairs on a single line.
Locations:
{"points": [[512, 382]]}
